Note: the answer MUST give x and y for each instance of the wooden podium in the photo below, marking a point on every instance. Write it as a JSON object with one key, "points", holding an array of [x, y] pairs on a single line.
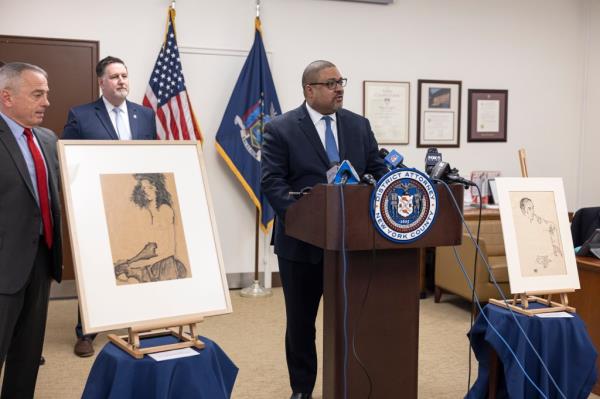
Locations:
{"points": [[386, 327]]}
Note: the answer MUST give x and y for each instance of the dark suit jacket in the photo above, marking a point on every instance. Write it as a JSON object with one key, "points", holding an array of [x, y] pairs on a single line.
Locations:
{"points": [[585, 222], [20, 216], [91, 122], [293, 157]]}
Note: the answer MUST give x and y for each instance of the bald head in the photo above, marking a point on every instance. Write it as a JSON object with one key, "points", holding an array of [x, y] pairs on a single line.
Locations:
{"points": [[311, 72]]}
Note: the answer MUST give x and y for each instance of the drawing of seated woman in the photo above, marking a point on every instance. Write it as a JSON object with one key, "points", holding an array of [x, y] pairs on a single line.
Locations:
{"points": [[156, 260]]}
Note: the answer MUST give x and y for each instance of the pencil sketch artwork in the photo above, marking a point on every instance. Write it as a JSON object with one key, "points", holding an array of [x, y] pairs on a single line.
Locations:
{"points": [[145, 228], [540, 248]]}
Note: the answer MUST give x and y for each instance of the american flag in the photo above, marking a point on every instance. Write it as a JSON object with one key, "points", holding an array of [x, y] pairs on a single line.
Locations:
{"points": [[166, 93]]}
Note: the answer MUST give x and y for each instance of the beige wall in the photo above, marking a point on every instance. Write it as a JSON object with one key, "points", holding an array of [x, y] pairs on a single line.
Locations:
{"points": [[545, 52]]}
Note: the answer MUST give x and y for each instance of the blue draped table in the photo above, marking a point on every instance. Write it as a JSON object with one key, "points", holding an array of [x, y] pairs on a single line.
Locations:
{"points": [[117, 375], [563, 344]]}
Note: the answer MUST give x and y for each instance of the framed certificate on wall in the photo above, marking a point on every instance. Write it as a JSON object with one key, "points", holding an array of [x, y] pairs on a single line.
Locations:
{"points": [[487, 115], [438, 116], [386, 105]]}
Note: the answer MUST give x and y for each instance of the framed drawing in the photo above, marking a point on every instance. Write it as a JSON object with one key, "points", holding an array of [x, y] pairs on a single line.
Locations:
{"points": [[487, 115], [143, 234], [386, 105], [438, 115], [537, 236]]}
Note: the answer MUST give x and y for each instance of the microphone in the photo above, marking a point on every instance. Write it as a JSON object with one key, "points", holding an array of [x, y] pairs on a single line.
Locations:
{"points": [[332, 172], [432, 157], [393, 159], [346, 174], [368, 179], [443, 171]]}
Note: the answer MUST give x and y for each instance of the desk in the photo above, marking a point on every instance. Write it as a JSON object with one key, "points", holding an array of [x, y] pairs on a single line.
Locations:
{"points": [[472, 213], [587, 301], [117, 375], [563, 344]]}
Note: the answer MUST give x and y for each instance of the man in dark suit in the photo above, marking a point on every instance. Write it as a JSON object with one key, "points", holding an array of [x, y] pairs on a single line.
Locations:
{"points": [[111, 117], [298, 149], [30, 243]]}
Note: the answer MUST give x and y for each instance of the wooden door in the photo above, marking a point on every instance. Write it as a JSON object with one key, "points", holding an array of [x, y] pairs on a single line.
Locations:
{"points": [[71, 68]]}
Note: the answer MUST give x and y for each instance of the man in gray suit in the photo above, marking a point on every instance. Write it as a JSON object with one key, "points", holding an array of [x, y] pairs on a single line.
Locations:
{"points": [[30, 242]]}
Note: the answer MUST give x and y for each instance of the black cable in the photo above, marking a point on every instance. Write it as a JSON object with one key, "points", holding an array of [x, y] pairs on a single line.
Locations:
{"points": [[359, 316], [473, 304], [344, 289]]}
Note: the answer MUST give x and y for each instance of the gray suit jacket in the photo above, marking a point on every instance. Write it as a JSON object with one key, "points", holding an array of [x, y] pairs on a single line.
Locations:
{"points": [[20, 216]]}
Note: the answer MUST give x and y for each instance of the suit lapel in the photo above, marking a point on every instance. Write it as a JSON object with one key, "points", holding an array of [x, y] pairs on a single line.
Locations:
{"points": [[133, 119], [341, 133], [13, 149], [309, 130], [102, 115]]}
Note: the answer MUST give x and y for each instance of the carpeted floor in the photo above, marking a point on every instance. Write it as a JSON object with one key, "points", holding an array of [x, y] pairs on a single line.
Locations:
{"points": [[253, 338]]}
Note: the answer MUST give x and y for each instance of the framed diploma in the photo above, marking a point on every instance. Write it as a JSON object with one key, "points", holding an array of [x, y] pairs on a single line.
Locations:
{"points": [[487, 115], [438, 117], [386, 105]]}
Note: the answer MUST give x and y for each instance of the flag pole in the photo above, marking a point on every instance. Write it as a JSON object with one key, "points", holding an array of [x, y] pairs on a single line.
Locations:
{"points": [[255, 290]]}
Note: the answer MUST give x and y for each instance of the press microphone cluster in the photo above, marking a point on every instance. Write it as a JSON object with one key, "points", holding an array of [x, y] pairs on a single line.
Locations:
{"points": [[441, 170]]}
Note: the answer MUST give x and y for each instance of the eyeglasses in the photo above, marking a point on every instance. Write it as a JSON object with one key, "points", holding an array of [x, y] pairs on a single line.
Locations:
{"points": [[331, 84]]}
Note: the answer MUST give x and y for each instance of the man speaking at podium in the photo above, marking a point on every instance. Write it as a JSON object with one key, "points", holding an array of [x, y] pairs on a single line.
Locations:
{"points": [[299, 147]]}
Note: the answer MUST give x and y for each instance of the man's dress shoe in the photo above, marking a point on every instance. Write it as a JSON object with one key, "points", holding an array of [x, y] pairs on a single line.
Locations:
{"points": [[84, 347]]}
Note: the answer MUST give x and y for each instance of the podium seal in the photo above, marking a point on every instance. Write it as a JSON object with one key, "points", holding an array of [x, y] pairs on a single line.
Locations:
{"points": [[403, 205]]}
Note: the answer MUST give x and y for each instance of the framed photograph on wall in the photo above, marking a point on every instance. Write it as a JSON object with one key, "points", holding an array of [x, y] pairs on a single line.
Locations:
{"points": [[143, 233], [386, 105], [438, 113], [487, 115], [537, 235]]}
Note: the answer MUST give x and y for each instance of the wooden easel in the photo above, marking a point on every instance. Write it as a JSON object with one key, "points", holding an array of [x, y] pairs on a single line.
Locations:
{"points": [[130, 343], [520, 302]]}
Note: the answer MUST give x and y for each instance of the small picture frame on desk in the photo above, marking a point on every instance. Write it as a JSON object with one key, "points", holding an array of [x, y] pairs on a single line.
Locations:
{"points": [[487, 115], [438, 115], [386, 106]]}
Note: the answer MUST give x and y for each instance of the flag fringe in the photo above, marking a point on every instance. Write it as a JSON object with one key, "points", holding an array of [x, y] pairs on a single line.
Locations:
{"points": [[244, 184]]}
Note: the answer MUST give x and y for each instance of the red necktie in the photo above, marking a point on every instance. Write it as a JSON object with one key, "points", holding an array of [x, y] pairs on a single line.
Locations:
{"points": [[42, 186]]}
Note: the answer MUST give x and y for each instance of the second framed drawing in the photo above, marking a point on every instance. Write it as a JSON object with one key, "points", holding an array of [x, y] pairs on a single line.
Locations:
{"points": [[438, 115], [386, 105], [537, 236]]}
